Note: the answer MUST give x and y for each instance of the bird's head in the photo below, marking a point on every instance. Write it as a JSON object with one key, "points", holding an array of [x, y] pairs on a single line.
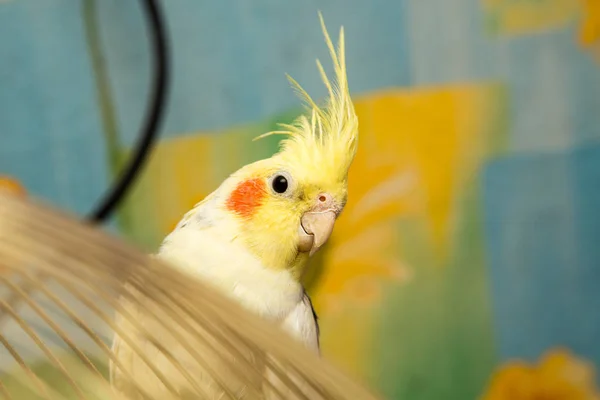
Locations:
{"points": [[284, 208]]}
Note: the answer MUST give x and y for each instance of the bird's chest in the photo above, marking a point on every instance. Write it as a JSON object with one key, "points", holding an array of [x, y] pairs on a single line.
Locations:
{"points": [[272, 294], [273, 300]]}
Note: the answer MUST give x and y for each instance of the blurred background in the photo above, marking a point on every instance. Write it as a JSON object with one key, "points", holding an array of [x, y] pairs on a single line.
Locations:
{"points": [[466, 264]]}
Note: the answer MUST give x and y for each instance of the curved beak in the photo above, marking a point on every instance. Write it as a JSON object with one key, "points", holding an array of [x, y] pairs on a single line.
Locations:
{"points": [[314, 230]]}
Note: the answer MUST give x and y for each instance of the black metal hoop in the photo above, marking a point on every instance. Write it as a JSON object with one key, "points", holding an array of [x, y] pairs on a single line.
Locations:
{"points": [[153, 116]]}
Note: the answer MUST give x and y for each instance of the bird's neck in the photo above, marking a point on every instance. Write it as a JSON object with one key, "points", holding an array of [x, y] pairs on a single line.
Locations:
{"points": [[274, 253]]}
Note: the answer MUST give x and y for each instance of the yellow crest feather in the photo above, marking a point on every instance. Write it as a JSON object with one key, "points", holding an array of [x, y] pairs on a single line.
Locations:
{"points": [[328, 137]]}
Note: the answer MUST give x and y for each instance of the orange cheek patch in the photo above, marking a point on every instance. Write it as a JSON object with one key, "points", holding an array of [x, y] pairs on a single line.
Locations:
{"points": [[247, 197]]}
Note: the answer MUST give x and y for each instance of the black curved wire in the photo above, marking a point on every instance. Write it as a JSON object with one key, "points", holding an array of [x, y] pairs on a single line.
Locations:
{"points": [[153, 116]]}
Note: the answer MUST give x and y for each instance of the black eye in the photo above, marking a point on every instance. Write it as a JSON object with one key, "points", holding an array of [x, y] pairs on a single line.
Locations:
{"points": [[280, 184]]}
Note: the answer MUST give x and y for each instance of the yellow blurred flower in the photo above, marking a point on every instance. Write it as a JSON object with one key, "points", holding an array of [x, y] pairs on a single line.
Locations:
{"points": [[589, 32], [559, 375], [12, 186]]}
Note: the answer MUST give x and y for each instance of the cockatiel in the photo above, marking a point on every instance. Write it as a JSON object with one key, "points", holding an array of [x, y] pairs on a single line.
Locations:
{"points": [[252, 237]]}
